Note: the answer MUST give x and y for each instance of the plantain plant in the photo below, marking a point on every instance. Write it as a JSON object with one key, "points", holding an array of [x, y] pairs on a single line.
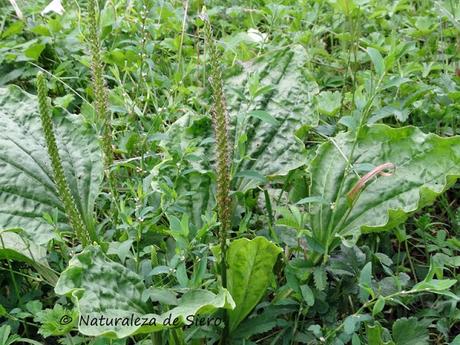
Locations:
{"points": [[372, 178], [249, 263]]}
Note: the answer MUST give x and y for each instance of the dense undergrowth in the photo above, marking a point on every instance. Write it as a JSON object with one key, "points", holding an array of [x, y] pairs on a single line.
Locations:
{"points": [[262, 172]]}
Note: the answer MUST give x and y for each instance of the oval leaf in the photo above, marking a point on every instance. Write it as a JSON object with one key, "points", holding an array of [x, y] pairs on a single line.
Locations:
{"points": [[250, 265]]}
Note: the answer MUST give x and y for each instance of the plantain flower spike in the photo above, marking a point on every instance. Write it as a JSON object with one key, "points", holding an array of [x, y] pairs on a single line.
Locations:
{"points": [[99, 85], [220, 124], [59, 177]]}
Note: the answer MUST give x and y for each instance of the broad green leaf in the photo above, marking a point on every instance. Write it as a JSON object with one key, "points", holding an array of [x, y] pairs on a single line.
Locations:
{"points": [[410, 332], [15, 246], [272, 147], [437, 286], [375, 335], [377, 60], [456, 341], [101, 287], [312, 200], [27, 189], [251, 174], [15, 28], [328, 103], [355, 339], [349, 324], [270, 317], [250, 265], [425, 166], [108, 15], [34, 51]]}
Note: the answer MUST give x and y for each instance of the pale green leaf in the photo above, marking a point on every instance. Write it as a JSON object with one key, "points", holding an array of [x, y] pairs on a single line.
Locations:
{"points": [[264, 116], [14, 245], [250, 265], [377, 60], [328, 103], [378, 306]]}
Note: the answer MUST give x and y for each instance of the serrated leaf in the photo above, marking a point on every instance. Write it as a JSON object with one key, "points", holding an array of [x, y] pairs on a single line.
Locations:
{"points": [[307, 295], [250, 265], [410, 332], [320, 278], [99, 286], [27, 190], [57, 321], [425, 166]]}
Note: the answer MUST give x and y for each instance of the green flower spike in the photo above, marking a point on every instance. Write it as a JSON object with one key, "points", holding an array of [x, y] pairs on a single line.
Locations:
{"points": [[58, 172], [99, 85]]}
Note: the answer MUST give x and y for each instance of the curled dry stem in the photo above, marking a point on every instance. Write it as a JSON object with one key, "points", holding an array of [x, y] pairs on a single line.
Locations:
{"points": [[378, 170]]}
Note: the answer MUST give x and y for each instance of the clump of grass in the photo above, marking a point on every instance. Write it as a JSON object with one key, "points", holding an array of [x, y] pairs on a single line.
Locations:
{"points": [[99, 86], [60, 180]]}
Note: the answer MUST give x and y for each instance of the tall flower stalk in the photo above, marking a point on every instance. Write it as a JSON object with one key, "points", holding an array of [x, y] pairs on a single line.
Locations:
{"points": [[99, 86], [220, 124], [60, 180]]}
